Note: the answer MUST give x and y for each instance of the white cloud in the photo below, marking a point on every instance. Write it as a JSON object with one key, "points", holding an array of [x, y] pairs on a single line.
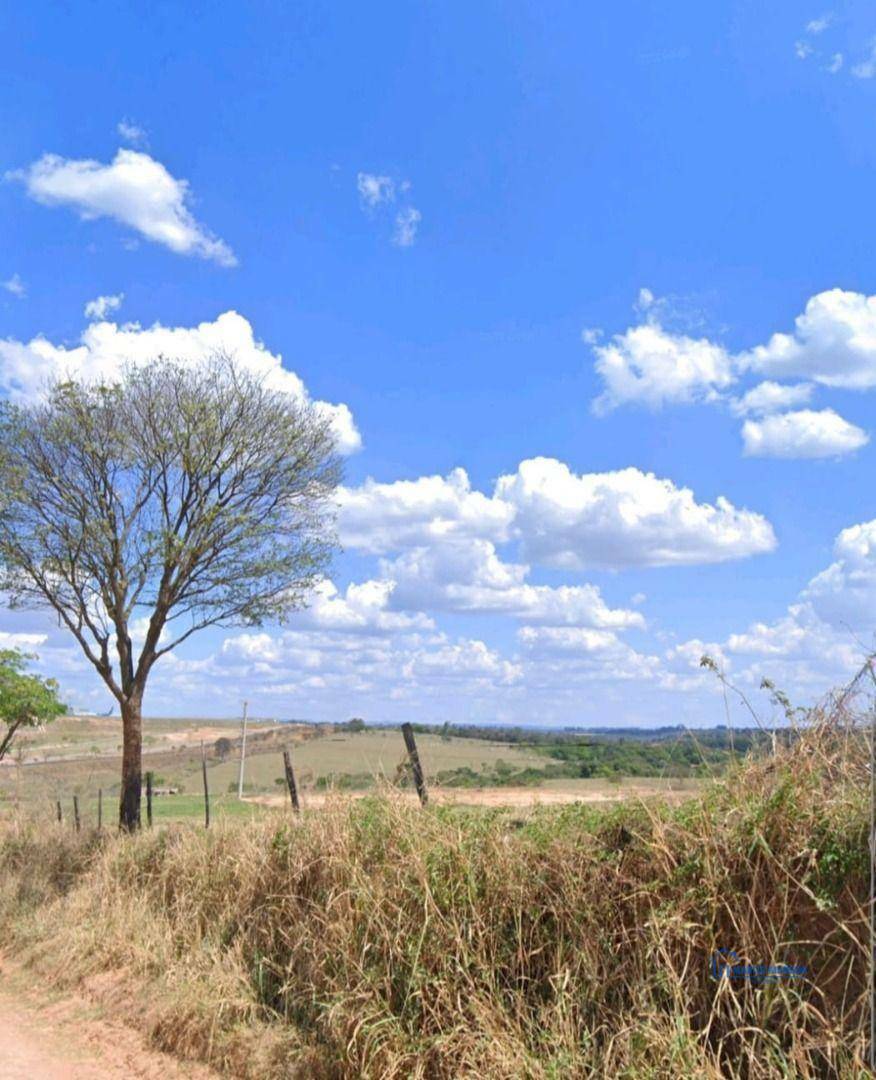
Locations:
{"points": [[824, 635], [469, 576], [844, 594], [356, 664], [650, 366], [379, 518], [381, 191], [21, 641], [833, 343], [770, 397], [690, 653], [362, 607], [566, 656], [407, 222], [624, 518], [101, 306], [15, 286], [562, 519], [866, 69], [803, 434], [105, 347], [802, 50], [132, 133], [819, 25], [133, 189], [375, 190], [464, 660], [836, 63]]}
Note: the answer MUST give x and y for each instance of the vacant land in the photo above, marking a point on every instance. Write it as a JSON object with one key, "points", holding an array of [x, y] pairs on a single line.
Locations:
{"points": [[81, 757]]}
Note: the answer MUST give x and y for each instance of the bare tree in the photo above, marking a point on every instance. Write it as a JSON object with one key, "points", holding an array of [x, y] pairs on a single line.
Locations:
{"points": [[174, 499]]}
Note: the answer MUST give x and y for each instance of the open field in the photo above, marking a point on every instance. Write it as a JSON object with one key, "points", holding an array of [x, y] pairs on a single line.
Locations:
{"points": [[80, 756]]}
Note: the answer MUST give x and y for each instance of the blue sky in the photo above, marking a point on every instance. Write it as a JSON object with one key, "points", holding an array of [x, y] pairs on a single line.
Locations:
{"points": [[467, 224]]}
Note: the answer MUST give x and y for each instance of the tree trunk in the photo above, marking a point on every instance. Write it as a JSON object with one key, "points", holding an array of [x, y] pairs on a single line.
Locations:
{"points": [[132, 748]]}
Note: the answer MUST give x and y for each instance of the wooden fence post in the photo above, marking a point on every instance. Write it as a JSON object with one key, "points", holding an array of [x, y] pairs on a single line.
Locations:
{"points": [[99, 809], [77, 823], [206, 788], [290, 782], [416, 767], [149, 799]]}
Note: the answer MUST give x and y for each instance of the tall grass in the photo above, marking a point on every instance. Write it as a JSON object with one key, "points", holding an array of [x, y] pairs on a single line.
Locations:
{"points": [[374, 939]]}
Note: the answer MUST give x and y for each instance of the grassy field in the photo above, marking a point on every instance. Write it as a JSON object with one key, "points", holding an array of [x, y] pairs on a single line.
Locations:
{"points": [[79, 757], [375, 753], [377, 939]]}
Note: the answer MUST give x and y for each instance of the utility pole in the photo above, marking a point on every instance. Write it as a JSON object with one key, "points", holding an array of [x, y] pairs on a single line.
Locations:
{"points": [[242, 753]]}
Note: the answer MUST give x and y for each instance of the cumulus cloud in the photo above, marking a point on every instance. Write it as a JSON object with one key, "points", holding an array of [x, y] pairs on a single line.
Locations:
{"points": [[770, 397], [15, 286], [833, 343], [803, 434], [624, 518], [572, 655], [470, 576], [353, 663], [462, 661], [650, 366], [101, 306], [135, 190], [562, 519], [364, 607], [844, 594], [379, 518], [26, 368], [824, 634]]}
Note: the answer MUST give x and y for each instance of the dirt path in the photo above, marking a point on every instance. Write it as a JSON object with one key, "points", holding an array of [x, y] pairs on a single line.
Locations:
{"points": [[61, 1038], [499, 796]]}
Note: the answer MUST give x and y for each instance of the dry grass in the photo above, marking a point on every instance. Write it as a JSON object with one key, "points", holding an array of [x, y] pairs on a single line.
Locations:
{"points": [[373, 939]]}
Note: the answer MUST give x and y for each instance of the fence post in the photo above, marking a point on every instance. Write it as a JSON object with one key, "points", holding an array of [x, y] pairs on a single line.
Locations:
{"points": [[99, 809], [416, 767], [290, 782], [76, 820], [242, 753], [206, 788], [149, 799], [60, 812]]}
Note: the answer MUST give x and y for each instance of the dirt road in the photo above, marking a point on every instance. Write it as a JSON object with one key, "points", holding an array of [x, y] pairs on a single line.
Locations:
{"points": [[63, 1039], [520, 797]]}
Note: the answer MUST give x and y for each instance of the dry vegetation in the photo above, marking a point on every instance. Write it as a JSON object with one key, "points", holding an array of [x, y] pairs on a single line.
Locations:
{"points": [[375, 939]]}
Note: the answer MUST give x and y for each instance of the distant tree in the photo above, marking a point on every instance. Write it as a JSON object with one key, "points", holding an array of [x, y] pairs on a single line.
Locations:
{"points": [[25, 700], [356, 724], [223, 747], [178, 497]]}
